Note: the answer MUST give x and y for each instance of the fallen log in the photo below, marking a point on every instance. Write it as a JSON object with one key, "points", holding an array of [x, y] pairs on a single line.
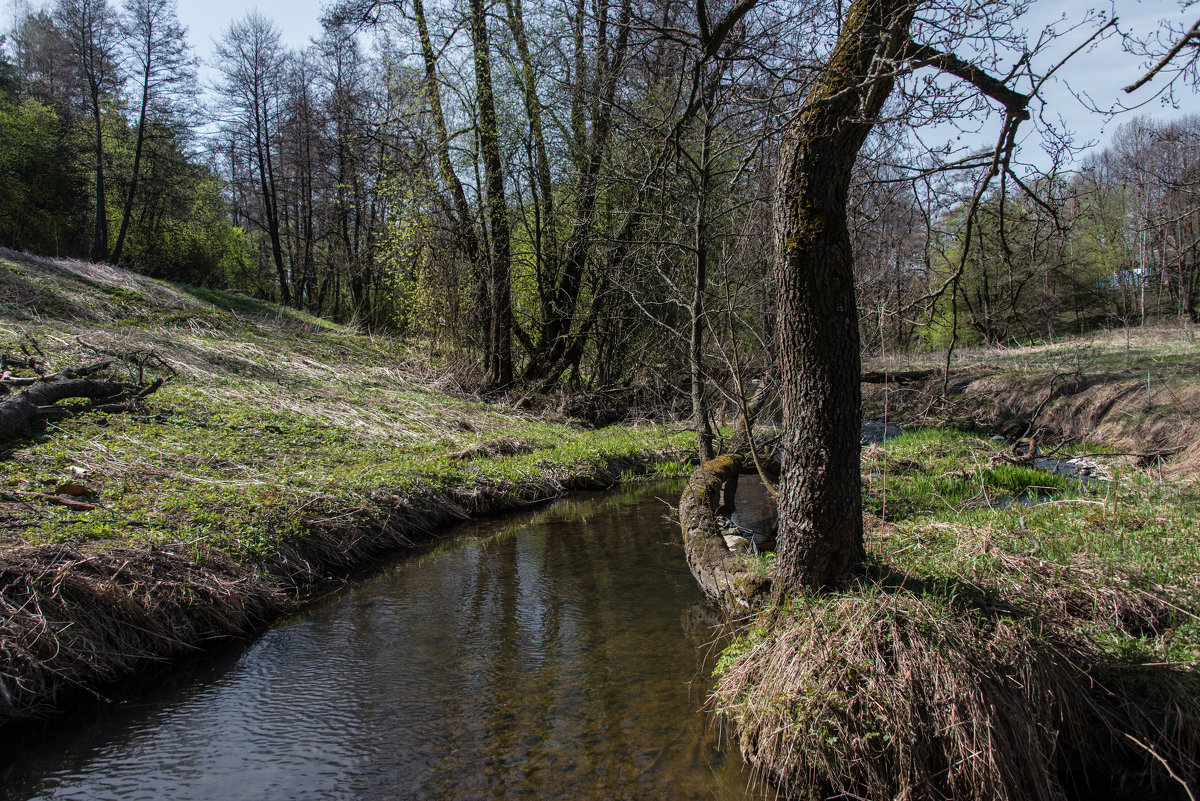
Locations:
{"points": [[18, 412]]}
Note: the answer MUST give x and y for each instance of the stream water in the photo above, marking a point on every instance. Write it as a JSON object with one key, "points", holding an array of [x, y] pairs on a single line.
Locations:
{"points": [[558, 654]]}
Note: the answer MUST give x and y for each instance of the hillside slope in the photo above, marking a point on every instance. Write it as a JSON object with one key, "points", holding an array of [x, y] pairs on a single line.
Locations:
{"points": [[1133, 392], [280, 448]]}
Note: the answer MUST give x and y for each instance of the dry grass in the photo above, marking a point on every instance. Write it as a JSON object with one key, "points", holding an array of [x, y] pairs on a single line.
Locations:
{"points": [[73, 618], [906, 688], [501, 446], [1135, 391]]}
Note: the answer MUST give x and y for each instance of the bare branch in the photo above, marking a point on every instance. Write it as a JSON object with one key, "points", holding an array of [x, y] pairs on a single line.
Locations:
{"points": [[1192, 37], [1014, 102]]}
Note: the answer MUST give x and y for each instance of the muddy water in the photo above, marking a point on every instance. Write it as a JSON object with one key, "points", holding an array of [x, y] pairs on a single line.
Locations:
{"points": [[557, 655]]}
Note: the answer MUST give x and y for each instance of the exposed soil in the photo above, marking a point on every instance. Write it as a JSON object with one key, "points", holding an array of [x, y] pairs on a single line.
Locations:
{"points": [[1151, 421]]}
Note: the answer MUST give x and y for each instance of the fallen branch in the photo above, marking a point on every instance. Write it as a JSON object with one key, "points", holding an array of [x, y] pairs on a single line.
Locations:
{"points": [[70, 503], [18, 412], [70, 372]]}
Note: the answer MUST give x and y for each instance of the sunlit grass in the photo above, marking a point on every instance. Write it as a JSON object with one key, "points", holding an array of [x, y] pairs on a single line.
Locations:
{"points": [[275, 422]]}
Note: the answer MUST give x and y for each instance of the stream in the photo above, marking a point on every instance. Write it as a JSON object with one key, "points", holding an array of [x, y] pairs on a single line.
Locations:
{"points": [[562, 653]]}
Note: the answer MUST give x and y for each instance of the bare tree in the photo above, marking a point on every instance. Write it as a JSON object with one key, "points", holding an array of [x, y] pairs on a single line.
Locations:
{"points": [[500, 366], [91, 33], [252, 61], [165, 69], [1175, 50]]}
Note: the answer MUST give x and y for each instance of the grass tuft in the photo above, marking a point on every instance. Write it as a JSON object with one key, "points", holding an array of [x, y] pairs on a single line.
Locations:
{"points": [[998, 645]]}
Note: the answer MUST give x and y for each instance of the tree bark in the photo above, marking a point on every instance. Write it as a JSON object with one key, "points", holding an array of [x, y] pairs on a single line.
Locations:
{"points": [[500, 367], [560, 302], [100, 236], [127, 213], [704, 434], [820, 506], [18, 412]]}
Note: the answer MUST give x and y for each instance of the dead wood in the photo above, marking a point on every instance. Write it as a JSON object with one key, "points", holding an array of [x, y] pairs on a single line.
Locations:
{"points": [[135, 361], [26, 362], [70, 372], [70, 503], [19, 411], [896, 376]]}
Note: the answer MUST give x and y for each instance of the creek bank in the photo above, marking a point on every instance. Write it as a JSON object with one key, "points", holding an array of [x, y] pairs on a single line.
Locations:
{"points": [[1148, 410], [985, 649], [553, 653], [79, 617]]}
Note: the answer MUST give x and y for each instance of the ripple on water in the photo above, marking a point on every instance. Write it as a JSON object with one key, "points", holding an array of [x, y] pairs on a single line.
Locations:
{"points": [[551, 661]]}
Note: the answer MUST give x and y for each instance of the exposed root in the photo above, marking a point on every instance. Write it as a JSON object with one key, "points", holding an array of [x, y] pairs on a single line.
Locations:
{"points": [[721, 577]]}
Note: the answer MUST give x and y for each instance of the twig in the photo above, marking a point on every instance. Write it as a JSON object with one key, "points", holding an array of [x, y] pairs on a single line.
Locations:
{"points": [[1165, 764]]}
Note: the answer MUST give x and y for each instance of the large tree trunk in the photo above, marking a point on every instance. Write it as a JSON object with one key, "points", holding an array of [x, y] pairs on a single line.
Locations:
{"points": [[704, 434], [820, 507]]}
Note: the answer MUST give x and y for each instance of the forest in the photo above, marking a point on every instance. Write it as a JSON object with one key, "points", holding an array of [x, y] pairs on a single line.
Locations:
{"points": [[573, 193], [279, 314]]}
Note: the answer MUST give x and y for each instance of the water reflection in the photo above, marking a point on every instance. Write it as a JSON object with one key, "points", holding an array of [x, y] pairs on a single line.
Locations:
{"points": [[550, 661]]}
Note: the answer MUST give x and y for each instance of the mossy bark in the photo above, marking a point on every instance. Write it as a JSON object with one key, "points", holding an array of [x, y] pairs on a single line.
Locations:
{"points": [[715, 568], [820, 513]]}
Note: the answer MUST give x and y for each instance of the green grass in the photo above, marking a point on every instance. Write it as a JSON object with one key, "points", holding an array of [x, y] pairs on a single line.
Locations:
{"points": [[949, 514], [941, 473], [275, 422], [949, 521]]}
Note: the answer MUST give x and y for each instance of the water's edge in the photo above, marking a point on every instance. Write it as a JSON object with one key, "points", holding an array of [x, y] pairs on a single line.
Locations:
{"points": [[561, 653]]}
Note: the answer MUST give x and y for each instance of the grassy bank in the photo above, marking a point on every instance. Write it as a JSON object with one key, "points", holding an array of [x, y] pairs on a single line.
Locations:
{"points": [[1134, 391], [280, 448], [1014, 635]]}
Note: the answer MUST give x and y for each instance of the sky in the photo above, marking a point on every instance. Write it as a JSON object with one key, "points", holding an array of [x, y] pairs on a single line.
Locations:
{"points": [[1099, 73], [207, 20]]}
